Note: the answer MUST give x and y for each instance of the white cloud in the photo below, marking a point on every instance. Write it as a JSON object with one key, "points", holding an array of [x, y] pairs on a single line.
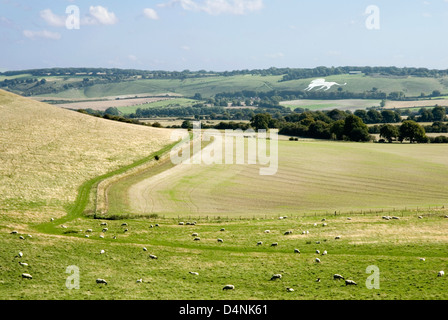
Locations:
{"points": [[132, 57], [151, 13], [100, 15], [44, 34], [52, 19], [217, 7]]}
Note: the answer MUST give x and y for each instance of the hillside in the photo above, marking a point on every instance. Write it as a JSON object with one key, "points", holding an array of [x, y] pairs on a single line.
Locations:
{"points": [[47, 152]]}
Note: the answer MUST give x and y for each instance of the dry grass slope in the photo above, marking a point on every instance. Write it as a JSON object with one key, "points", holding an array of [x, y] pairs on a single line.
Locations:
{"points": [[47, 152]]}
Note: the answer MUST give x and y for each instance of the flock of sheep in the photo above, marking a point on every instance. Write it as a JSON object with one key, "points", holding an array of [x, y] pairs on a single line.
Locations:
{"points": [[196, 237]]}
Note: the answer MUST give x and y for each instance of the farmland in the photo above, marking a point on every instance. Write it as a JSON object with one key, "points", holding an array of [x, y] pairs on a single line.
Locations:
{"points": [[55, 159]]}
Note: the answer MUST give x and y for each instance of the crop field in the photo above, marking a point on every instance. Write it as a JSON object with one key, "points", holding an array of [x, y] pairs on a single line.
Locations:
{"points": [[312, 177], [121, 104], [344, 104], [183, 102], [416, 104]]}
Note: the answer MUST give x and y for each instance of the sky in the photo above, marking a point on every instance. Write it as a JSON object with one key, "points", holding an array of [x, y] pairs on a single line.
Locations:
{"points": [[222, 35]]}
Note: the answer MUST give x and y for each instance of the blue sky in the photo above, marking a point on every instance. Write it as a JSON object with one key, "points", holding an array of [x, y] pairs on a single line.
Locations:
{"points": [[223, 35]]}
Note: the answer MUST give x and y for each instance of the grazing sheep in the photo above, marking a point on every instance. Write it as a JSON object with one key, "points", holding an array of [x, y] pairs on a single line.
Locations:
{"points": [[153, 256], [229, 287], [317, 242], [114, 237], [23, 264], [324, 219], [296, 251], [441, 273], [280, 218], [140, 281], [151, 226], [349, 218], [105, 230], [14, 232], [89, 230], [350, 283], [102, 252], [318, 280], [446, 216], [222, 229], [338, 277], [181, 223], [101, 281], [22, 238], [420, 217], [276, 276], [64, 227], [157, 225], [337, 237], [317, 260], [27, 276], [194, 273], [289, 289], [285, 217], [274, 244], [144, 249], [195, 234], [317, 251], [324, 224], [422, 259], [124, 224], [287, 233], [101, 236], [259, 243], [52, 219], [220, 240], [315, 224], [103, 224], [267, 231], [386, 218], [197, 239], [324, 253], [87, 235], [126, 230], [396, 218]]}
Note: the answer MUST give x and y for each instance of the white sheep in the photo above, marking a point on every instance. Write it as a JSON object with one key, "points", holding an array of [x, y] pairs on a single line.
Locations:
{"points": [[220, 240], [350, 283], [276, 276], [197, 239], [101, 281], [287, 233], [52, 219], [27, 276], [103, 224], [259, 243], [396, 218], [296, 251], [19, 255], [23, 264], [274, 244], [338, 277], [124, 224], [101, 236], [140, 281], [22, 238], [153, 256], [289, 289], [324, 253], [317, 251], [422, 259], [317, 260], [195, 234], [223, 229], [144, 249], [194, 273], [267, 231], [181, 223], [89, 230], [102, 252], [229, 287], [441, 273], [337, 237], [324, 224], [105, 230]]}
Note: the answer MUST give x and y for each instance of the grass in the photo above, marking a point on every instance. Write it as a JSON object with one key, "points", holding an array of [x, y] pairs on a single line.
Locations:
{"points": [[346, 104], [159, 104]]}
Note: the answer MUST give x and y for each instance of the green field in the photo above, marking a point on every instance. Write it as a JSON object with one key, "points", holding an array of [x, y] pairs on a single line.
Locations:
{"points": [[344, 104], [44, 178], [159, 104]]}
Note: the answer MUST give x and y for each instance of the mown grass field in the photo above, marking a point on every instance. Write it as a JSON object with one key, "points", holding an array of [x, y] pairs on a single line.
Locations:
{"points": [[312, 177], [345, 104]]}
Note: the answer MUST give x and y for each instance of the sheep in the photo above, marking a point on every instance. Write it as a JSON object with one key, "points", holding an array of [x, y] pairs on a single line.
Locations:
{"points": [[318, 280], [89, 230], [274, 244], [317, 260], [338, 277], [420, 217], [337, 237], [276, 276], [317, 251], [259, 243], [296, 251], [315, 224], [195, 234], [223, 229], [87, 235], [114, 237], [289, 289], [101, 236], [14, 232], [144, 249], [197, 239], [157, 225], [287, 233], [101, 281], [324, 219], [27, 276], [126, 230], [386, 218], [220, 240], [19, 255], [23, 264], [229, 287], [102, 252], [396, 218], [22, 238], [267, 231], [52, 219], [446, 216], [317, 242], [181, 223], [194, 273], [124, 224], [441, 273], [63, 226], [151, 226], [422, 259], [324, 224], [105, 230], [349, 218], [140, 281], [280, 218], [153, 257], [103, 224], [350, 283], [324, 253]]}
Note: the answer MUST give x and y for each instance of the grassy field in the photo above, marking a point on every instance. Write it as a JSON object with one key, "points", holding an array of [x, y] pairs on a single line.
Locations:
{"points": [[207, 87], [312, 177], [53, 159], [47, 152], [346, 104], [184, 102]]}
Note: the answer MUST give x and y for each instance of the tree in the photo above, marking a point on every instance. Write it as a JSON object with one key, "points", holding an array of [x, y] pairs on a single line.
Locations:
{"points": [[355, 129], [412, 131], [439, 113], [389, 132], [261, 121], [113, 111]]}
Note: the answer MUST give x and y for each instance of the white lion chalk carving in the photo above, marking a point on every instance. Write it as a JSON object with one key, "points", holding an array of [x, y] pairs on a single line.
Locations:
{"points": [[321, 83]]}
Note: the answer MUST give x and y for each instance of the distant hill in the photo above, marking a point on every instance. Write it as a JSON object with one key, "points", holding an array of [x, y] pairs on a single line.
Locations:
{"points": [[47, 152]]}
